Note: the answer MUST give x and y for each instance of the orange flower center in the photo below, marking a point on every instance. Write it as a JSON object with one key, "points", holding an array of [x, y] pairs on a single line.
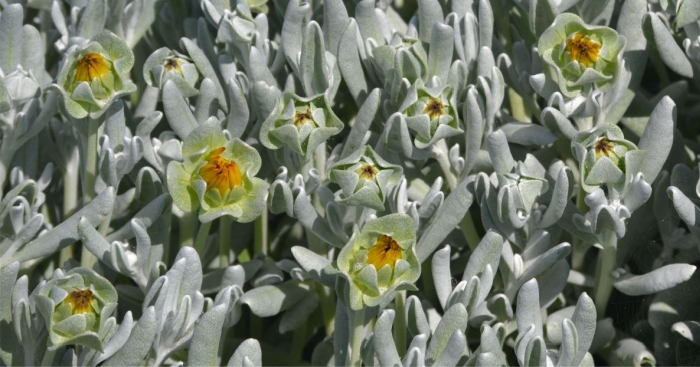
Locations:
{"points": [[583, 49], [367, 171], [220, 173], [434, 108], [80, 301], [603, 147], [172, 64], [90, 66], [386, 251]]}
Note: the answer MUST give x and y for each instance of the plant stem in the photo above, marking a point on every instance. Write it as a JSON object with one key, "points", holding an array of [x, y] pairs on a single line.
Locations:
{"points": [[579, 248], [357, 335], [517, 106], [400, 322], [299, 341], [469, 231], [70, 197], [224, 241], [89, 165], [607, 262], [261, 233], [186, 225], [168, 220], [200, 243]]}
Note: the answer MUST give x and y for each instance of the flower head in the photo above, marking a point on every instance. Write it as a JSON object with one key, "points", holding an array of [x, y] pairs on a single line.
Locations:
{"points": [[80, 301], [300, 124], [164, 64], [431, 113], [75, 307], [603, 156], [379, 260], [217, 176], [364, 178], [94, 76], [90, 66], [578, 56]]}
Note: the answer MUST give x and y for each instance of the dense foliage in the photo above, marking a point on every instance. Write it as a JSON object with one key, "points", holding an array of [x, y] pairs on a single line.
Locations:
{"points": [[349, 182]]}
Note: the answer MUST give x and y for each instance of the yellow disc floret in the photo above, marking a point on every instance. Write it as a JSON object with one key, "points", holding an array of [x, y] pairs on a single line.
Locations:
{"points": [[367, 171], [583, 49], [434, 108], [80, 301], [90, 66], [172, 63], [302, 117], [603, 147], [386, 251], [220, 173]]}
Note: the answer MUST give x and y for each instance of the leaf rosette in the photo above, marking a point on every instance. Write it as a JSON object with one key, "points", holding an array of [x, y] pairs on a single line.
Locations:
{"points": [[301, 124], [94, 76], [217, 176], [603, 155], [379, 260], [578, 56], [164, 64], [76, 307], [364, 178]]}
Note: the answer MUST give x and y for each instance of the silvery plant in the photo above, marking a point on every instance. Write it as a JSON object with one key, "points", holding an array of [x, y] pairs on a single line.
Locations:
{"points": [[349, 182]]}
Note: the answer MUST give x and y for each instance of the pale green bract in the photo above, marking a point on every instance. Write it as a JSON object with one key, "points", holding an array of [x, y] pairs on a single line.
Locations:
{"points": [[572, 77], [83, 99], [189, 191], [349, 183], [68, 328], [369, 286], [365, 188]]}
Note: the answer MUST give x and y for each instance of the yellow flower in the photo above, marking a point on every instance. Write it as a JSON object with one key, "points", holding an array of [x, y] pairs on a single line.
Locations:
{"points": [[302, 117], [367, 171], [380, 260], [386, 251], [80, 301], [435, 108], [583, 49], [92, 65], [173, 63], [220, 173], [217, 176]]}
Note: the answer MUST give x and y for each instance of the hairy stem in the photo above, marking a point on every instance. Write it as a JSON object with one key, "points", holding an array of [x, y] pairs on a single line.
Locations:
{"points": [[70, 196], [89, 176], [225, 241], [400, 322], [261, 234], [607, 262], [200, 243], [357, 334]]}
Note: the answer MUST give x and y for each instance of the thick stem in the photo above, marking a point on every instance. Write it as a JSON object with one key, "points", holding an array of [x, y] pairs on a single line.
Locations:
{"points": [[517, 106], [400, 322], [469, 231], [168, 220], [89, 176], [579, 248], [607, 262], [201, 242], [187, 222], [70, 196], [357, 334], [261, 233], [224, 241], [299, 341]]}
